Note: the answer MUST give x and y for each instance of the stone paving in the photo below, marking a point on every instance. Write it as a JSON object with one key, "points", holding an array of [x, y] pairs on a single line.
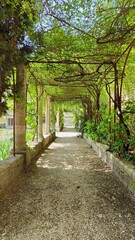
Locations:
{"points": [[68, 194]]}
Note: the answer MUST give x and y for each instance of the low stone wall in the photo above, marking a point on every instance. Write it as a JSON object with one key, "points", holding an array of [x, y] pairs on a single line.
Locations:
{"points": [[123, 170], [10, 169], [12, 166]]}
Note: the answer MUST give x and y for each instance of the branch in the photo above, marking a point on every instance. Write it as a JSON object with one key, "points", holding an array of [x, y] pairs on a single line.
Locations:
{"points": [[61, 62], [124, 67], [124, 33], [70, 25], [132, 112], [108, 92]]}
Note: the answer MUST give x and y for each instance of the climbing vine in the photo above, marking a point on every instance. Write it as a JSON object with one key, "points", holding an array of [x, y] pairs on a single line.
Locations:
{"points": [[76, 50]]}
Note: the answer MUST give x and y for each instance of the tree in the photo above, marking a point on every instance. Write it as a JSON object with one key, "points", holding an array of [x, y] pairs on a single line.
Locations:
{"points": [[16, 22]]}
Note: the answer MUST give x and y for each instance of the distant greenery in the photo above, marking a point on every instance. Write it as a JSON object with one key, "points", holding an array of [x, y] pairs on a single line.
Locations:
{"points": [[6, 143], [5, 148]]}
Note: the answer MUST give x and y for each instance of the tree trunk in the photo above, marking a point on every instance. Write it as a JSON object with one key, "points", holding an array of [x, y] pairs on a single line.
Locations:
{"points": [[89, 109], [97, 110], [118, 107]]}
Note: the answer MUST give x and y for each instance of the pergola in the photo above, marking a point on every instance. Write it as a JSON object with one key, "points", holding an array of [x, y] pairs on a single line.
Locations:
{"points": [[83, 53]]}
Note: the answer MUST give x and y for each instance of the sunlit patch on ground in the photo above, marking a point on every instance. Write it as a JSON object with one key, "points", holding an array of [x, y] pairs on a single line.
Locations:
{"points": [[69, 194], [67, 133]]}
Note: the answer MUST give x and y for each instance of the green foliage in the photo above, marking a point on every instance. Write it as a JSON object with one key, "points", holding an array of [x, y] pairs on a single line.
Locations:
{"points": [[133, 185], [16, 27], [31, 121], [132, 142], [129, 106], [30, 135], [117, 146], [5, 148], [116, 139], [91, 130], [103, 129], [100, 132], [129, 116], [82, 125]]}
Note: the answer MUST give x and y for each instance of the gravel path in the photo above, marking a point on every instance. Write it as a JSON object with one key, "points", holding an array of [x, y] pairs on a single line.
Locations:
{"points": [[68, 194]]}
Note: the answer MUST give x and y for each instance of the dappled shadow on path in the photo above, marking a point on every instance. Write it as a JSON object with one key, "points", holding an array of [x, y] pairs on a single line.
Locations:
{"points": [[68, 194], [67, 153]]}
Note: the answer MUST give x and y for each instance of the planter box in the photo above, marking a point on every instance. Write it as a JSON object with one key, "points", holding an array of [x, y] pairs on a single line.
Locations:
{"points": [[122, 169]]}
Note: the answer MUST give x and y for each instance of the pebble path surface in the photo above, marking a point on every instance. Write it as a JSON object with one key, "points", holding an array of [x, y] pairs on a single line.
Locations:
{"points": [[68, 194]]}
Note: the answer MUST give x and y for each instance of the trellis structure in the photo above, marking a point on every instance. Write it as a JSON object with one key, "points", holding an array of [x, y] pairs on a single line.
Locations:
{"points": [[68, 57]]}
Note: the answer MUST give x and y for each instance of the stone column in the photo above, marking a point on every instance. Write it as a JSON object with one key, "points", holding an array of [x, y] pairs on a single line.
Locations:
{"points": [[58, 121], [52, 117], [47, 117], [20, 109], [40, 113]]}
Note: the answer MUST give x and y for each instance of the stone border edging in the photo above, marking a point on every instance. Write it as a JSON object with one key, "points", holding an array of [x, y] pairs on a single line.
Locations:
{"points": [[123, 170]]}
